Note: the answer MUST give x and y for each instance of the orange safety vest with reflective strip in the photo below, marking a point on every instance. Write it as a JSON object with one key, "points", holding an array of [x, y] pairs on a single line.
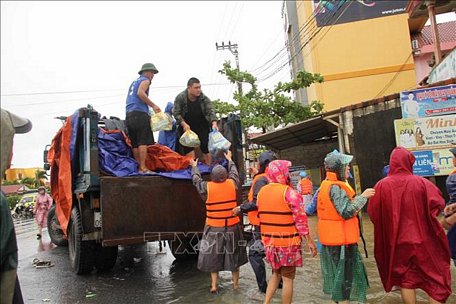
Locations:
{"points": [[276, 219], [306, 186], [333, 230], [253, 215], [221, 199]]}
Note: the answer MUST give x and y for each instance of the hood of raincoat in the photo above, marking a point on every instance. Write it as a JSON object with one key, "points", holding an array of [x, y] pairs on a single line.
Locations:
{"points": [[169, 108], [337, 162], [401, 161]]}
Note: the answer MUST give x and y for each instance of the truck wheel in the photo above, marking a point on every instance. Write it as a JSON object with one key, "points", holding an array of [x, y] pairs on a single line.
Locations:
{"points": [[184, 248], [54, 229], [81, 252], [105, 257]]}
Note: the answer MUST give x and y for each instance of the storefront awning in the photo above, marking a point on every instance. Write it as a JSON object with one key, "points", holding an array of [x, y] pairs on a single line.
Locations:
{"points": [[310, 131]]}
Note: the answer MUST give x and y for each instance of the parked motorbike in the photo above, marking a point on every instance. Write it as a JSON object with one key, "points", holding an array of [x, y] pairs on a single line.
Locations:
{"points": [[22, 211]]}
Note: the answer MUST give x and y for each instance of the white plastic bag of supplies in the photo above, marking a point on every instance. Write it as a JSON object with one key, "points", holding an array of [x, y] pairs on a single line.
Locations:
{"points": [[161, 122], [218, 143], [189, 139]]}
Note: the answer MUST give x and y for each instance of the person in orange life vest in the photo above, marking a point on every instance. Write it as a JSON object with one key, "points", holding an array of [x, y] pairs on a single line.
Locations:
{"points": [[221, 247], [256, 248], [283, 222], [338, 231], [305, 188]]}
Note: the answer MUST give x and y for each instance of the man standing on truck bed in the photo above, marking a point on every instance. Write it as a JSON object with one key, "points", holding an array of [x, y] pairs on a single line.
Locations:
{"points": [[193, 111], [137, 115]]}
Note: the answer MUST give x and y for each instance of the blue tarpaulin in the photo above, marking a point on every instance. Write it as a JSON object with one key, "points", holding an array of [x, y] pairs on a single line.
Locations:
{"points": [[115, 158]]}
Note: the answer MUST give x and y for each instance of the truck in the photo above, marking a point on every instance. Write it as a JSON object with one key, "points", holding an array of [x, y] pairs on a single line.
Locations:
{"points": [[108, 211]]}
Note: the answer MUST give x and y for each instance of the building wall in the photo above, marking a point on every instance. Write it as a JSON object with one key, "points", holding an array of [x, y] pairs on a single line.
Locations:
{"points": [[20, 173], [358, 59], [422, 68], [292, 29], [311, 156]]}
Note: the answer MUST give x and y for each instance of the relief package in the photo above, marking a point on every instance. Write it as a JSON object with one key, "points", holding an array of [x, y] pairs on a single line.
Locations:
{"points": [[161, 122]]}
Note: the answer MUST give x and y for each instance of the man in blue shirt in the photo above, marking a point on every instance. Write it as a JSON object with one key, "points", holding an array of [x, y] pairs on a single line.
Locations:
{"points": [[137, 118]]}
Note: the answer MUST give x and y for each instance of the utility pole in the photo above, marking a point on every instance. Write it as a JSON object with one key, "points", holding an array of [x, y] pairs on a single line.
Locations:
{"points": [[234, 50]]}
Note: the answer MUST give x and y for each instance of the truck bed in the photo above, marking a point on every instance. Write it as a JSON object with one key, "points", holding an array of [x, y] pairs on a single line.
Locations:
{"points": [[148, 208]]}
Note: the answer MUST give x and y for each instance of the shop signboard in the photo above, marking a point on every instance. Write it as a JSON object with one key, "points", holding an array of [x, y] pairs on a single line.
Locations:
{"points": [[429, 102], [433, 162], [330, 12], [429, 133]]}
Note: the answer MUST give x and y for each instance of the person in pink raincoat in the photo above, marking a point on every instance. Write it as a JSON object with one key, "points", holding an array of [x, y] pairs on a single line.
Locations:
{"points": [[42, 206]]}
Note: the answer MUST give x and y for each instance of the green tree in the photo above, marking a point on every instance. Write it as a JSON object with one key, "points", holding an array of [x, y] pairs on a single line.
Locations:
{"points": [[13, 182], [29, 181], [40, 175], [268, 107], [13, 200]]}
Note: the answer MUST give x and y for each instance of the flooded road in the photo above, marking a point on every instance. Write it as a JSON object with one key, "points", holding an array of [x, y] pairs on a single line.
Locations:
{"points": [[144, 274]]}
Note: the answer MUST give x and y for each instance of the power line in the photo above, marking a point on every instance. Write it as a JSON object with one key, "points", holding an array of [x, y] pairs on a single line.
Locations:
{"points": [[67, 100], [94, 91], [310, 39], [386, 87], [311, 32], [307, 26]]}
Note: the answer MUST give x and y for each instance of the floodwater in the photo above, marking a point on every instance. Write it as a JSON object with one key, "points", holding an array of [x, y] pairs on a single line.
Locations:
{"points": [[144, 274]]}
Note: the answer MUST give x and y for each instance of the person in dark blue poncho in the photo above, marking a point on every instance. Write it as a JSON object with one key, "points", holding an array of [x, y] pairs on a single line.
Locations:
{"points": [[168, 138]]}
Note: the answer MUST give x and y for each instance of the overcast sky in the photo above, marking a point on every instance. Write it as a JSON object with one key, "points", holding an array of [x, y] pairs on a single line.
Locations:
{"points": [[99, 47]]}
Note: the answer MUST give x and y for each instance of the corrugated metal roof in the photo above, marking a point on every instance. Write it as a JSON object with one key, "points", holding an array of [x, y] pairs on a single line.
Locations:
{"points": [[319, 128], [312, 130]]}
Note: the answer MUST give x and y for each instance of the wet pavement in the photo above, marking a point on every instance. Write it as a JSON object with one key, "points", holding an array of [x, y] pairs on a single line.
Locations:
{"points": [[144, 274]]}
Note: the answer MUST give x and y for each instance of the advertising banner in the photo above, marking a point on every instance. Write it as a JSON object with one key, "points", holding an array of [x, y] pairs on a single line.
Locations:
{"points": [[433, 162], [426, 133], [329, 12], [429, 102], [445, 70]]}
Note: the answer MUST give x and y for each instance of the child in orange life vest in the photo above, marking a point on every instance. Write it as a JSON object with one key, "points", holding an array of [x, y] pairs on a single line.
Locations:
{"points": [[305, 188], [221, 247], [283, 222], [344, 275]]}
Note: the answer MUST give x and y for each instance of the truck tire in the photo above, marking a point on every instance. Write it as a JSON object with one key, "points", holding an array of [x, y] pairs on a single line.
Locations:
{"points": [[105, 257], [81, 252], [184, 248], [54, 230]]}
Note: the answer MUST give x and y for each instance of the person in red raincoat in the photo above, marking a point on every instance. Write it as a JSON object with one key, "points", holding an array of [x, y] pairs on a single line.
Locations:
{"points": [[410, 248]]}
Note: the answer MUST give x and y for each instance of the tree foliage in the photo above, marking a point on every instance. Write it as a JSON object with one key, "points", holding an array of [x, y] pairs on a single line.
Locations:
{"points": [[268, 107]]}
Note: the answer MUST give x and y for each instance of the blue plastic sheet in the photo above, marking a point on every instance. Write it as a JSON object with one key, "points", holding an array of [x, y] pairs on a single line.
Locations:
{"points": [[115, 158]]}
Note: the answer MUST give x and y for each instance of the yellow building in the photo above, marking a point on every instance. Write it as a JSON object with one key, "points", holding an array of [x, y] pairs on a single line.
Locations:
{"points": [[361, 48], [20, 173]]}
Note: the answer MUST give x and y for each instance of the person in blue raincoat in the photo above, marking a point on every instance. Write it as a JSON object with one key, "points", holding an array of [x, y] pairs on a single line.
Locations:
{"points": [[168, 138]]}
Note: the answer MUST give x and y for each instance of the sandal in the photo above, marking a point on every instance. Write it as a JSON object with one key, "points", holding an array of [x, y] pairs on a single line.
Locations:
{"points": [[41, 264]]}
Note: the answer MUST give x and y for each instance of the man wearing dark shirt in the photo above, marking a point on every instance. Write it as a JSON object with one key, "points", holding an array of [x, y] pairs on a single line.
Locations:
{"points": [[256, 249], [193, 111]]}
